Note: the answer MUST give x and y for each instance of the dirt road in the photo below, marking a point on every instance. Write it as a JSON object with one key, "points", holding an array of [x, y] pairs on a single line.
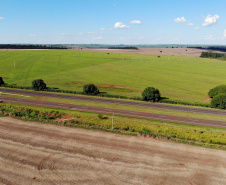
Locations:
{"points": [[128, 113], [116, 101], [188, 52], [34, 153]]}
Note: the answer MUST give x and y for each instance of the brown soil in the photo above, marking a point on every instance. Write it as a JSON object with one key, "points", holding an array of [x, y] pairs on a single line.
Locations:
{"points": [[34, 153], [190, 52], [207, 99], [115, 86]]}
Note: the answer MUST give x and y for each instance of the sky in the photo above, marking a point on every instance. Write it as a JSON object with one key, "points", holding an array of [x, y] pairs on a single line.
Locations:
{"points": [[127, 22]]}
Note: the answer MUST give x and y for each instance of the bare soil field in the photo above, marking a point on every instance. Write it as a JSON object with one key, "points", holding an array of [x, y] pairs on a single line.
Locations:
{"points": [[189, 52], [35, 153]]}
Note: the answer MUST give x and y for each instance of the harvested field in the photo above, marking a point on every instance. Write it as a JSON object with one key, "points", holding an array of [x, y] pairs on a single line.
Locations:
{"points": [[188, 52], [34, 153]]}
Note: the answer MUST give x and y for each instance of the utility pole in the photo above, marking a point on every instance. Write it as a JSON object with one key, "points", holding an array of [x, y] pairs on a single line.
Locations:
{"points": [[10, 108], [112, 121]]}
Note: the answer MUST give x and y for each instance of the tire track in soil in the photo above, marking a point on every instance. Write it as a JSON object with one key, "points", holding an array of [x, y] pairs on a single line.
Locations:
{"points": [[30, 67], [41, 167], [53, 142]]}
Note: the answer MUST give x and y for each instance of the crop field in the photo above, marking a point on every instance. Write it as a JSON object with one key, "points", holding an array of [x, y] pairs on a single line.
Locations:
{"points": [[177, 77]]}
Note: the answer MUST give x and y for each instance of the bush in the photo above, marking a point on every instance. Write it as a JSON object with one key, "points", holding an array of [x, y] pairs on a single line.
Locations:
{"points": [[90, 89], [1, 81], [151, 94], [217, 90], [38, 85], [219, 101]]}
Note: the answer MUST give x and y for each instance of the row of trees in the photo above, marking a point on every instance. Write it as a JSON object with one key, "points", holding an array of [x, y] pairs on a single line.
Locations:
{"points": [[149, 94], [216, 48], [124, 47], [211, 55], [29, 46], [218, 94]]}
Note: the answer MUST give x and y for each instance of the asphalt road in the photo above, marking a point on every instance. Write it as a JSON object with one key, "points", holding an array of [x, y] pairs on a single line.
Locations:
{"points": [[116, 101], [152, 116]]}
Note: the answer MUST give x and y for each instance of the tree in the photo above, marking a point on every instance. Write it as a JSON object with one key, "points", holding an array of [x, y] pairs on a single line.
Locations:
{"points": [[1, 81], [90, 89], [219, 101], [216, 90], [151, 94], [38, 85]]}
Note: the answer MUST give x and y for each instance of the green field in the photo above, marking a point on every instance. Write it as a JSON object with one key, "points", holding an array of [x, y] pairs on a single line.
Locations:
{"points": [[177, 78]]}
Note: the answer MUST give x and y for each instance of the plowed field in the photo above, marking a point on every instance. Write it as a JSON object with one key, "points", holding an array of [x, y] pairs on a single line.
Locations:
{"points": [[34, 153]]}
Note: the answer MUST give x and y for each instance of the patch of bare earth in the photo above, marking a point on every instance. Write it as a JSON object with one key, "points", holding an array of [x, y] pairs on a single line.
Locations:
{"points": [[115, 86], [34, 153], [190, 52]]}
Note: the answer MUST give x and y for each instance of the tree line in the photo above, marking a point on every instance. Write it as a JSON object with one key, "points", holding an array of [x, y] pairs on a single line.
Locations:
{"points": [[214, 48], [124, 47], [29, 46], [211, 55]]}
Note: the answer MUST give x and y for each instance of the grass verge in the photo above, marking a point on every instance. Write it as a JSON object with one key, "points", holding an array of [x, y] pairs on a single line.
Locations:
{"points": [[196, 135]]}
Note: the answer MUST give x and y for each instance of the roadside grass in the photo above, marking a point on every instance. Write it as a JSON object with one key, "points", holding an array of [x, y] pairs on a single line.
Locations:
{"points": [[124, 107], [177, 78], [196, 135]]}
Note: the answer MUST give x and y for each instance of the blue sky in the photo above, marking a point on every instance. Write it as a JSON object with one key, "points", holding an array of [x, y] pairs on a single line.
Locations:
{"points": [[113, 21]]}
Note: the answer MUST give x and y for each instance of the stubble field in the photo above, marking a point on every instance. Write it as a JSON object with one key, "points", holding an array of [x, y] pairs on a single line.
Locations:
{"points": [[34, 153]]}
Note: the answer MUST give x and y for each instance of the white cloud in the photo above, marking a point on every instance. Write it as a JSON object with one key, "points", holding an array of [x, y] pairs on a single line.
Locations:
{"points": [[97, 38], [225, 33], [209, 37], [180, 20], [81, 33], [1, 18], [209, 21], [33, 35], [105, 29], [141, 37], [189, 24], [135, 22], [120, 25], [197, 28]]}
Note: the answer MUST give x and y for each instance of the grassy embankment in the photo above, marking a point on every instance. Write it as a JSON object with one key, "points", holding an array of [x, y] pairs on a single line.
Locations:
{"points": [[196, 135], [177, 78]]}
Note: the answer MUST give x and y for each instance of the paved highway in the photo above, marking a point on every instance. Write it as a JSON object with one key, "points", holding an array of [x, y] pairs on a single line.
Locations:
{"points": [[152, 116]]}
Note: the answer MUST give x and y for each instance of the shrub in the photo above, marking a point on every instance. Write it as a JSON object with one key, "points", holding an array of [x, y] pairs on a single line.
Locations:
{"points": [[216, 90], [1, 81], [90, 89], [151, 94], [219, 101], [38, 85]]}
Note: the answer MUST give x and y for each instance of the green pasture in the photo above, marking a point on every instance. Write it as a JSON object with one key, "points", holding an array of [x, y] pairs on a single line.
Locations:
{"points": [[177, 78]]}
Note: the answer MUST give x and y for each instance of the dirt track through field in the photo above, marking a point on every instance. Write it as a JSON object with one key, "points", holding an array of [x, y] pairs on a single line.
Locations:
{"points": [[136, 114], [188, 52], [34, 153]]}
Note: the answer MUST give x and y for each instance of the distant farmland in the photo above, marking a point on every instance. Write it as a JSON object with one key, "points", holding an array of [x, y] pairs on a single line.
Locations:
{"points": [[177, 77]]}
